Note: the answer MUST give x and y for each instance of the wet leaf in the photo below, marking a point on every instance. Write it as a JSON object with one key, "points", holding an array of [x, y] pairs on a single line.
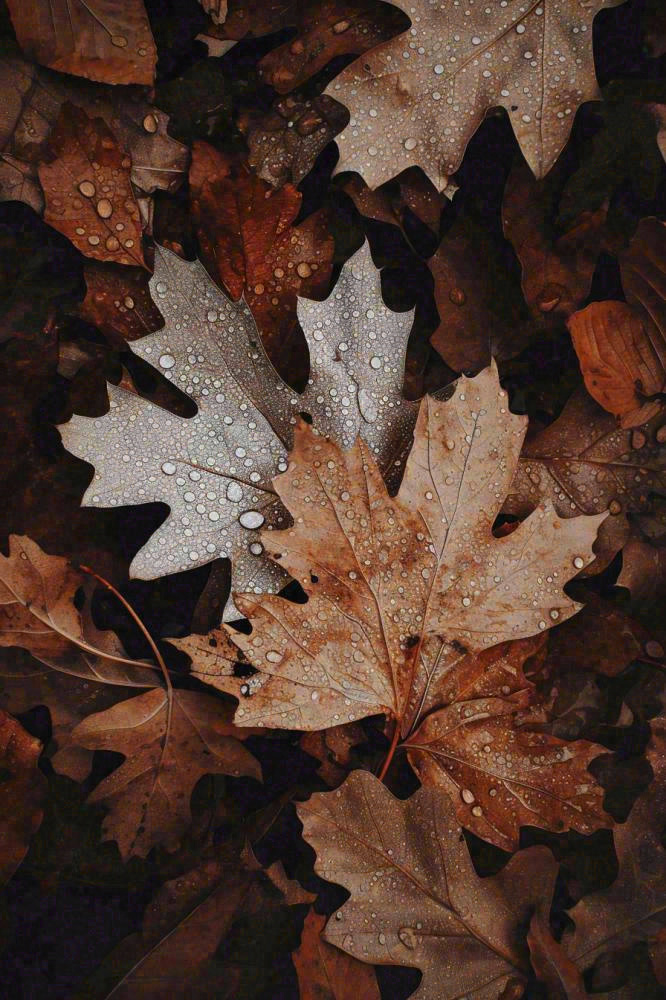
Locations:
{"points": [[439, 79], [98, 39], [415, 897], [552, 965], [168, 744], [22, 788], [324, 973], [118, 302], [223, 460], [89, 197]]}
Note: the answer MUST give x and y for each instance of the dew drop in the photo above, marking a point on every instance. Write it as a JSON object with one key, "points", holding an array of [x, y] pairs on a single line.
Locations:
{"points": [[104, 208], [167, 361], [234, 492], [251, 519], [168, 468]]}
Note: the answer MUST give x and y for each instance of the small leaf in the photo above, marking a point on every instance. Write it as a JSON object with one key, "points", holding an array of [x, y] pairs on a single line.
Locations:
{"points": [[22, 787]]}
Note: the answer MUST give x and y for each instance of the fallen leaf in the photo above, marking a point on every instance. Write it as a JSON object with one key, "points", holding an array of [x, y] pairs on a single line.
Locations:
{"points": [[557, 266], [21, 793], [169, 743], [34, 98], [98, 39], [622, 356], [415, 897], [552, 965], [333, 747], [441, 78], [249, 242], [583, 463], [285, 141], [411, 190], [118, 302], [643, 570], [254, 18], [89, 197], [39, 612], [325, 973], [243, 407]]}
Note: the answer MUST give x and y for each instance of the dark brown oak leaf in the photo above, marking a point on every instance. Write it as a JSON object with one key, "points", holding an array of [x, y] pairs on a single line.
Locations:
{"points": [[21, 793], [100, 39], [169, 742], [87, 188], [551, 963], [118, 302], [415, 897]]}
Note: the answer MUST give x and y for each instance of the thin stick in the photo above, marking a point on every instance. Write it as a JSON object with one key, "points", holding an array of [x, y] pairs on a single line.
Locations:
{"points": [[392, 749]]}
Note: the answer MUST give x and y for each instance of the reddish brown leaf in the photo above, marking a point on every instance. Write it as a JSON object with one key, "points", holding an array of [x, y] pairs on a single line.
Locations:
{"points": [[622, 355], [89, 197], [100, 39], [410, 189], [118, 302], [333, 748], [325, 973], [21, 793], [552, 965]]}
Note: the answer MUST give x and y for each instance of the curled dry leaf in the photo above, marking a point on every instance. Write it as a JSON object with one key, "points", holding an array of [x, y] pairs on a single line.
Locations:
{"points": [[249, 242], [215, 469], [455, 63], [21, 793], [415, 897], [89, 197], [169, 742], [622, 356], [285, 141], [33, 99], [99, 39], [39, 612], [583, 464], [557, 267], [400, 592], [325, 973]]}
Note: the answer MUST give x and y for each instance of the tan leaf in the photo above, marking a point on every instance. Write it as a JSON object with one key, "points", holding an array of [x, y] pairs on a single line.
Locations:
{"points": [[557, 267], [456, 62], [249, 242], [21, 793], [622, 356], [325, 973], [87, 188], [38, 612], [552, 965], [415, 897], [583, 464], [169, 745], [100, 39]]}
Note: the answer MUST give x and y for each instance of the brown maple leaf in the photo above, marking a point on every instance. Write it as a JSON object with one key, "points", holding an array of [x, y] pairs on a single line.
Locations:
{"points": [[88, 192], [21, 793], [248, 241], [100, 39], [169, 742], [405, 594], [415, 897]]}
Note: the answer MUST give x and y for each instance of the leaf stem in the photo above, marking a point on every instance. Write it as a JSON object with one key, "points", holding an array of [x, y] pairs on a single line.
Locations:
{"points": [[391, 751]]}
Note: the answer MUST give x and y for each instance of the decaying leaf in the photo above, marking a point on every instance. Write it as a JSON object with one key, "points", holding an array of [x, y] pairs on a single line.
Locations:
{"points": [[557, 267], [248, 240], [215, 470], [33, 99], [99, 39], [169, 743], [415, 897], [583, 464], [89, 197], [622, 356], [21, 793], [325, 973], [457, 61], [285, 142], [39, 612]]}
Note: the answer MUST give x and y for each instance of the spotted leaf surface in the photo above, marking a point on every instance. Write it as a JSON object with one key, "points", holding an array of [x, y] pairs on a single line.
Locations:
{"points": [[419, 98], [415, 897], [215, 470], [399, 587]]}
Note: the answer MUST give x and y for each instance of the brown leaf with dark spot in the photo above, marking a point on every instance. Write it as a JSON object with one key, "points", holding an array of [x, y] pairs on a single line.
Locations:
{"points": [[118, 302], [622, 356], [557, 268], [22, 787], [100, 39], [325, 973], [551, 963], [88, 192], [248, 241]]}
